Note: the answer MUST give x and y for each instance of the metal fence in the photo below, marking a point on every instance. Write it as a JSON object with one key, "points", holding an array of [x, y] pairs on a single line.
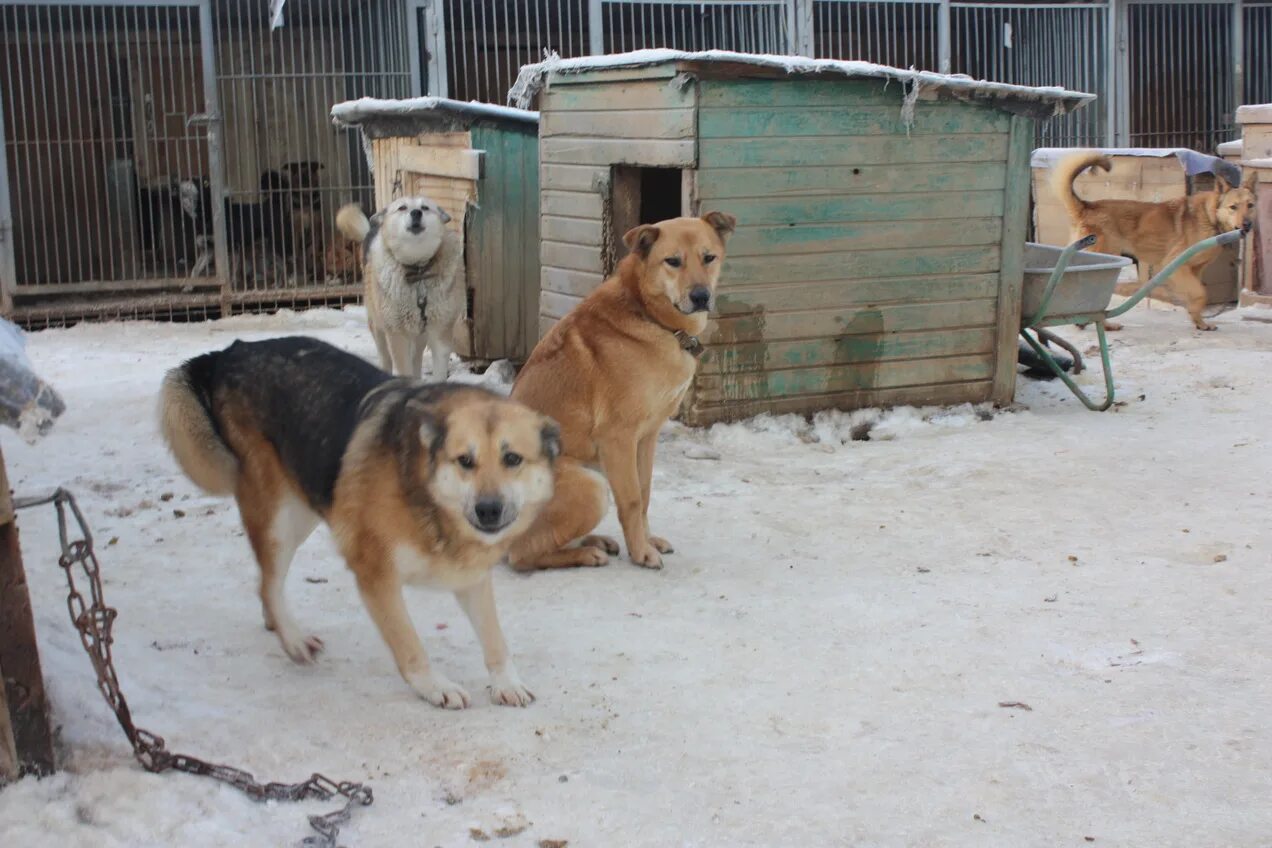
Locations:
{"points": [[1039, 44], [901, 34], [744, 26], [1180, 72], [1256, 26], [175, 156]]}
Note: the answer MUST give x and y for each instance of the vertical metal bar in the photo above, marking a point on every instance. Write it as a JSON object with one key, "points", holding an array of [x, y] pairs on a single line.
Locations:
{"points": [[8, 265], [595, 27], [415, 10], [943, 36], [216, 163], [1238, 60], [1121, 72]]}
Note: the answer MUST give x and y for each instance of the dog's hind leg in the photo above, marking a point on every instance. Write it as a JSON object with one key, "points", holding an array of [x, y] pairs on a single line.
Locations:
{"points": [[577, 506], [276, 526], [1189, 288], [478, 603]]}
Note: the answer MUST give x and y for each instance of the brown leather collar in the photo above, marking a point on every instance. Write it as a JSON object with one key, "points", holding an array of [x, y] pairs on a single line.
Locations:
{"points": [[413, 275], [689, 344]]}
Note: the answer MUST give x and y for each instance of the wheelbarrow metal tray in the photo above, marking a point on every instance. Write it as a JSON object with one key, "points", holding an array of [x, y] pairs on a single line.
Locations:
{"points": [[1086, 286]]}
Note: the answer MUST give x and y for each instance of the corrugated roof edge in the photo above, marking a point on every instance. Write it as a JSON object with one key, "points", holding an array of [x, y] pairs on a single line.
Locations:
{"points": [[352, 113], [1032, 101]]}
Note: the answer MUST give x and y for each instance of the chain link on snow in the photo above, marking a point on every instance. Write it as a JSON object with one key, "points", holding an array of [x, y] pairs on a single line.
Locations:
{"points": [[94, 622]]}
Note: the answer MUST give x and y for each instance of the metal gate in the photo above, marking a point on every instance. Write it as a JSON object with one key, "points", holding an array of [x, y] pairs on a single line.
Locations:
{"points": [[744, 26], [900, 33], [1256, 25], [1040, 44], [175, 157], [95, 141], [1180, 73]]}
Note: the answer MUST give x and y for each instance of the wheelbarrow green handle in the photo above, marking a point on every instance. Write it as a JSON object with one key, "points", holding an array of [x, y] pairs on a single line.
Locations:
{"points": [[1173, 266], [1062, 263]]}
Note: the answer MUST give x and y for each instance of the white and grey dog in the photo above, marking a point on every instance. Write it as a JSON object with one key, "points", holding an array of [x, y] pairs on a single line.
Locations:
{"points": [[411, 276]]}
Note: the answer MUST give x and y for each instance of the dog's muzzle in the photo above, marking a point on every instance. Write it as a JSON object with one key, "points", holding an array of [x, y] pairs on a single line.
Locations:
{"points": [[1247, 226], [490, 515], [699, 300]]}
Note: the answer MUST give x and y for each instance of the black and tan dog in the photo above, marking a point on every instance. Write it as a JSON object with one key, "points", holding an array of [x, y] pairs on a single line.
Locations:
{"points": [[426, 484]]}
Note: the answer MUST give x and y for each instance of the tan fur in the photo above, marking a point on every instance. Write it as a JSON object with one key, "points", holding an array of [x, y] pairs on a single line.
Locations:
{"points": [[611, 373], [395, 520], [1155, 233], [351, 223], [186, 428]]}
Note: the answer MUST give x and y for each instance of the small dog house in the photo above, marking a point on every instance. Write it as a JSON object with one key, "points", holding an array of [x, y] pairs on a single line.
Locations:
{"points": [[882, 216], [1150, 175], [480, 163]]}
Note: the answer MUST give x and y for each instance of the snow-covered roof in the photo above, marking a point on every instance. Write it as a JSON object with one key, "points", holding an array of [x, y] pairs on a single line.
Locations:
{"points": [[1038, 102], [368, 110], [1255, 113]]}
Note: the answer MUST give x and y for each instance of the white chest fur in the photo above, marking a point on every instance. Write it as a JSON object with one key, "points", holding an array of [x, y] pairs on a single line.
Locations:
{"points": [[433, 571]]}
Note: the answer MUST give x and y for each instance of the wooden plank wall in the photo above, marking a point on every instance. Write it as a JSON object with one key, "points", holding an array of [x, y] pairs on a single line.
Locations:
{"points": [[585, 129], [502, 252], [868, 264]]}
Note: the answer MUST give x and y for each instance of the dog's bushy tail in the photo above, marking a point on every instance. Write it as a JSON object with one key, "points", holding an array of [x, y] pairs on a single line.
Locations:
{"points": [[188, 426], [352, 223], [1067, 170]]}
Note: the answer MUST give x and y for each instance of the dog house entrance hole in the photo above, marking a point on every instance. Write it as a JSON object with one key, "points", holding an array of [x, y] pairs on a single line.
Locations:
{"points": [[643, 196]]}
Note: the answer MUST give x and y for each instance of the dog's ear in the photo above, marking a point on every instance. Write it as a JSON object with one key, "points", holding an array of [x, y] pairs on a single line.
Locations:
{"points": [[1249, 178], [1222, 186], [640, 239], [722, 222], [432, 433], [442, 214], [550, 434]]}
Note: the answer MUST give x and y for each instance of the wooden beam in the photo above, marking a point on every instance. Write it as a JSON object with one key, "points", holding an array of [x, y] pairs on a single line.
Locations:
{"points": [[28, 712], [442, 162]]}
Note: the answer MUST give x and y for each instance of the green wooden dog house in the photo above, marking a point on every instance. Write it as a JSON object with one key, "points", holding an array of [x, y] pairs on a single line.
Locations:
{"points": [[882, 216]]}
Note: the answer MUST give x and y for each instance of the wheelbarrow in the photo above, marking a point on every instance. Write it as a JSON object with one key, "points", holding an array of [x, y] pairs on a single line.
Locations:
{"points": [[1084, 299]]}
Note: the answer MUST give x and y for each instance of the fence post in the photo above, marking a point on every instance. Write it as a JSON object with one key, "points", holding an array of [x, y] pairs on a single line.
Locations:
{"points": [[216, 154], [943, 37], [800, 24], [434, 40], [8, 266], [1238, 61], [1121, 74], [595, 27]]}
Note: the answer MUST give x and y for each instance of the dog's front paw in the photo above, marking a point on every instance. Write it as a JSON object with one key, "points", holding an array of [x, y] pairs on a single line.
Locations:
{"points": [[439, 691], [1206, 325], [661, 545], [507, 689], [646, 557], [303, 650]]}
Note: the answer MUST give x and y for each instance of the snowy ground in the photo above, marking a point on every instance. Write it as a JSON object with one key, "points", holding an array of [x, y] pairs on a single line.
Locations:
{"points": [[820, 663]]}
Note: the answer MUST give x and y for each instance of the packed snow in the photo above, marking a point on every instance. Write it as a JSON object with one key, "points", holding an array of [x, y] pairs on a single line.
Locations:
{"points": [[823, 661], [353, 112], [1040, 101]]}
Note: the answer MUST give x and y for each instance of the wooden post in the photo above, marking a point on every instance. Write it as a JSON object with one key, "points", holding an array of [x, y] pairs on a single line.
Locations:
{"points": [[26, 710], [1256, 154]]}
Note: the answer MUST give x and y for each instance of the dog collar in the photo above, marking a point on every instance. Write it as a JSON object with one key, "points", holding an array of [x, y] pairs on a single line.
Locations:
{"points": [[689, 344], [414, 274]]}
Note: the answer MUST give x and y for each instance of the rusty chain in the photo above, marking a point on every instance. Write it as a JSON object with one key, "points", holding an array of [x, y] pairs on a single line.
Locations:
{"points": [[94, 621]]}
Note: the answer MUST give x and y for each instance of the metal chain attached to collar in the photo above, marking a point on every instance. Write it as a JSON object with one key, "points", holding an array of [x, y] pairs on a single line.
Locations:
{"points": [[94, 621]]}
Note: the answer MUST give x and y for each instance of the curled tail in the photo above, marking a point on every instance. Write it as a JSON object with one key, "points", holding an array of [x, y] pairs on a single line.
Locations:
{"points": [[1067, 170], [185, 419], [352, 223]]}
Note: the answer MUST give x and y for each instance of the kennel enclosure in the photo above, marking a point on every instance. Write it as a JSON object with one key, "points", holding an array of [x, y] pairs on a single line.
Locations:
{"points": [[480, 163], [882, 216]]}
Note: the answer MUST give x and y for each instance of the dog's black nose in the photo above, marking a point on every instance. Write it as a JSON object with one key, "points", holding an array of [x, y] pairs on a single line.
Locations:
{"points": [[1247, 226], [416, 214], [489, 513], [700, 297]]}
